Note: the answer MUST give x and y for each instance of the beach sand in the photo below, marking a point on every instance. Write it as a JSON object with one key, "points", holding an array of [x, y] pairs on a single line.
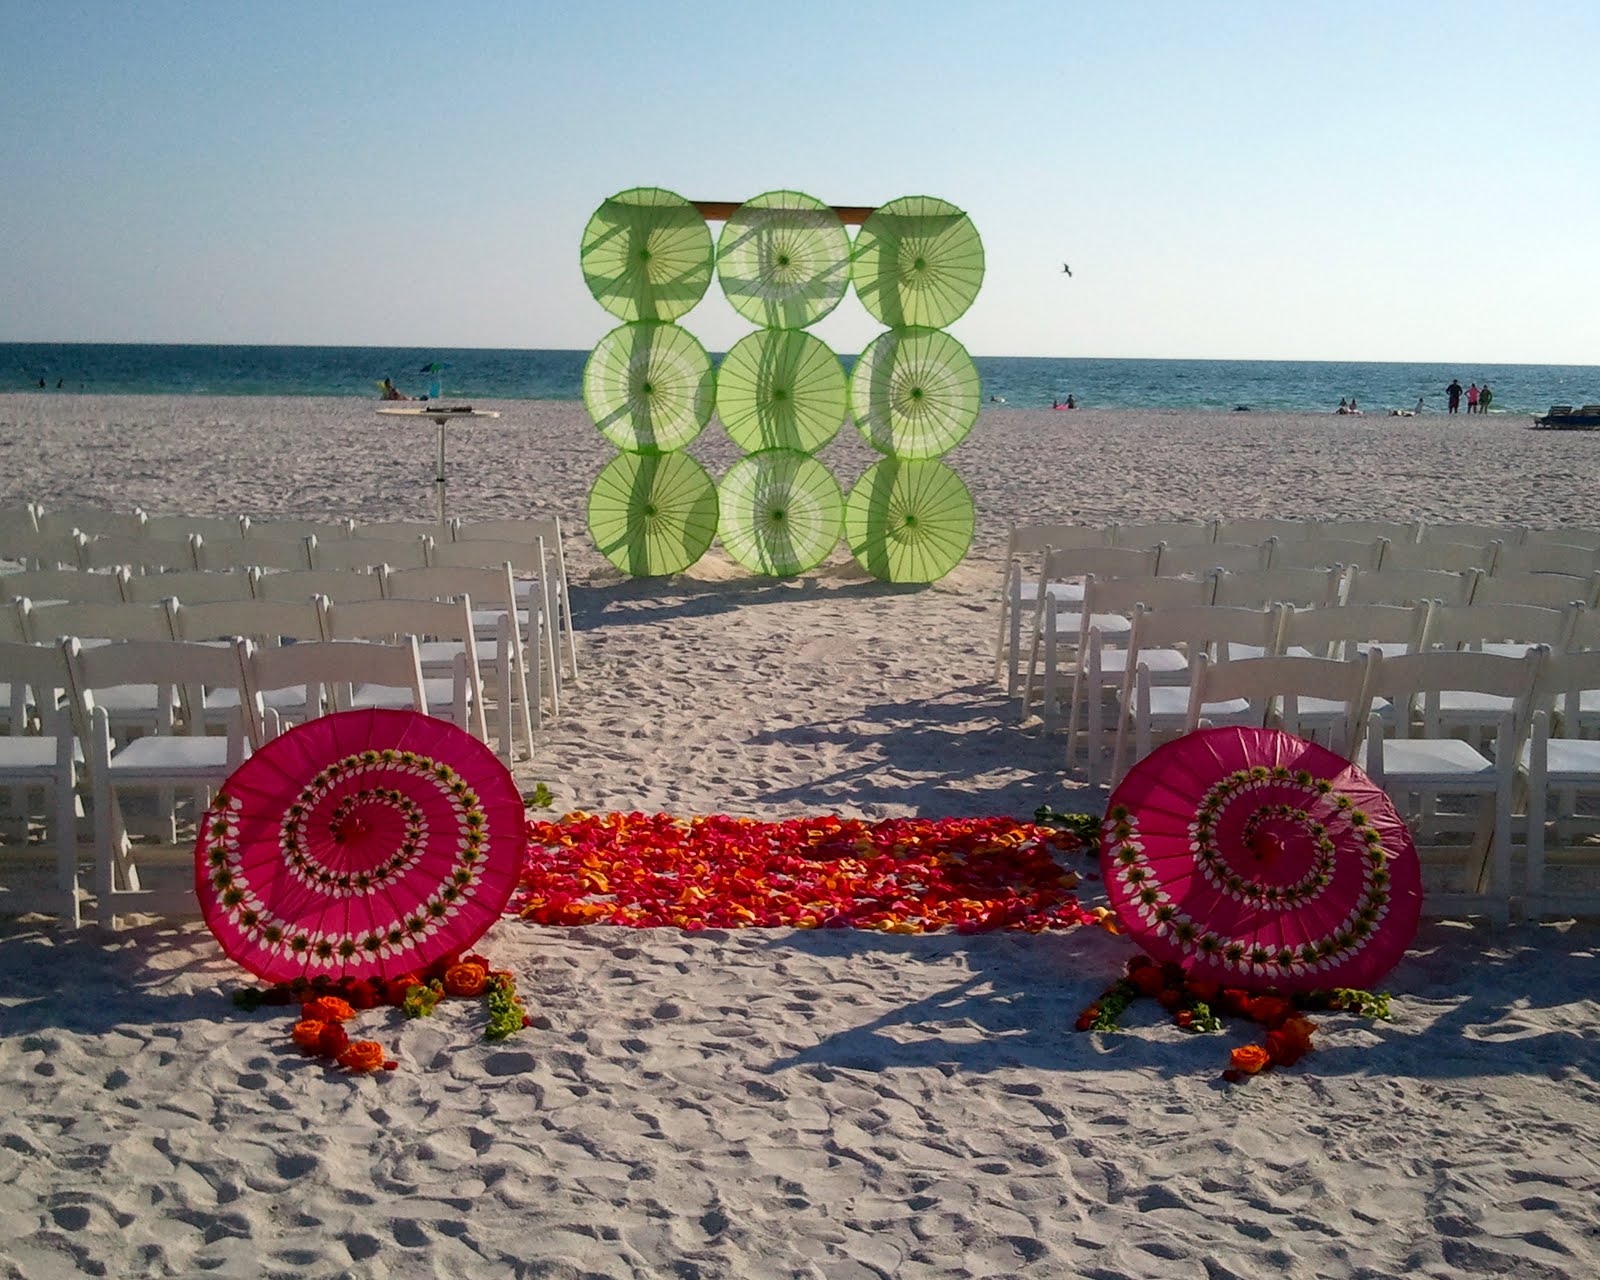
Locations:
{"points": [[774, 1103]]}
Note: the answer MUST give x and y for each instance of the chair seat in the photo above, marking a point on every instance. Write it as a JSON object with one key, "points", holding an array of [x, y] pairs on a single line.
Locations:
{"points": [[1321, 710], [1108, 624], [1569, 760], [440, 692], [1388, 648], [1507, 648], [1442, 759], [1467, 705], [1171, 702], [162, 756], [484, 621], [436, 653], [1114, 662], [27, 756], [125, 699], [1066, 592]]}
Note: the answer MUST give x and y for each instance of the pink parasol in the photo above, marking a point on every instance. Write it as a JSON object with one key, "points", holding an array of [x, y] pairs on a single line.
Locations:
{"points": [[1259, 860], [364, 844]]}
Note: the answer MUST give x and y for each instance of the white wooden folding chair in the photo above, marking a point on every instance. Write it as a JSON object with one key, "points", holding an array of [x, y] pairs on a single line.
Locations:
{"points": [[1570, 535], [266, 553], [23, 518], [513, 679], [1312, 588], [1412, 759], [262, 622], [166, 759], [1220, 557], [1155, 701], [532, 530], [43, 550], [45, 761], [1512, 535], [1017, 591], [91, 522], [55, 585], [1547, 557], [181, 526], [1558, 759], [1258, 529], [283, 529], [1394, 532], [198, 586], [1551, 590], [130, 707], [1278, 691], [1440, 557], [446, 647], [1330, 553], [306, 584], [325, 671], [1347, 631], [536, 599], [1172, 533], [370, 553], [1410, 586], [139, 553], [405, 531]]}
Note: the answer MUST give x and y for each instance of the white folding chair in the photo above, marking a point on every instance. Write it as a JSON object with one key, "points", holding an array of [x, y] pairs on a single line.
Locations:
{"points": [[1222, 557], [198, 586], [1417, 760], [139, 553], [159, 526], [1394, 532], [532, 530], [325, 671], [164, 760], [91, 522], [1511, 535], [43, 550], [404, 531], [515, 679], [536, 600], [45, 761], [274, 529], [55, 585], [1156, 701], [131, 707], [446, 647], [1410, 586], [1254, 529], [1547, 557], [1330, 553], [1558, 759], [1570, 535], [1440, 557], [1173, 533], [370, 553], [262, 622], [1320, 699], [1018, 590], [1347, 631], [1313, 588], [1551, 590], [306, 584], [265, 553]]}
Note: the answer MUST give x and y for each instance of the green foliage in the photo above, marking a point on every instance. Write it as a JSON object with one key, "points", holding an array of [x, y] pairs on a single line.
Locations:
{"points": [[421, 999], [538, 798], [1086, 826], [505, 1010]]}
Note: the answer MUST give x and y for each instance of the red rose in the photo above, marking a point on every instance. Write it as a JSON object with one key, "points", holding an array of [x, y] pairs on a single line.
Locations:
{"points": [[1140, 962], [1235, 1002], [1184, 1018], [1150, 980], [1169, 998], [1203, 990], [1270, 1011]]}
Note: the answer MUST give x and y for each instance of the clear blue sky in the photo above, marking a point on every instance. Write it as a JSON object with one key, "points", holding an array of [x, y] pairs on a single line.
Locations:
{"points": [[1380, 181]]}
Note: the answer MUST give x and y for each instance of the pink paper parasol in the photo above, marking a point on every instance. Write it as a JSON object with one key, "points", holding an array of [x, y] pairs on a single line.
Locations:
{"points": [[365, 844], [1259, 860]]}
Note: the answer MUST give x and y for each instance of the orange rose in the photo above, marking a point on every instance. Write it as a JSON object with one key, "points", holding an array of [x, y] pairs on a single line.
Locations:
{"points": [[465, 979], [1249, 1058], [308, 1035], [363, 1056], [327, 1009]]}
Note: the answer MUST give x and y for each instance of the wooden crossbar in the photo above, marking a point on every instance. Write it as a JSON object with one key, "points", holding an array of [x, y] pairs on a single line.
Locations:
{"points": [[852, 215]]}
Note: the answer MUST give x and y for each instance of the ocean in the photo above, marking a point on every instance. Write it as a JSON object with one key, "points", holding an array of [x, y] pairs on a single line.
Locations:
{"points": [[1008, 381]]}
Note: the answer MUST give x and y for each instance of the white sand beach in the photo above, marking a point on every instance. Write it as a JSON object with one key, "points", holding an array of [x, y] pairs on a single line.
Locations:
{"points": [[782, 1103]]}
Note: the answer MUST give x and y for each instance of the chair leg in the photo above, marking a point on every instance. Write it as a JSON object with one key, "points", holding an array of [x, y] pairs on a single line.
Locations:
{"points": [[66, 833], [1533, 895]]}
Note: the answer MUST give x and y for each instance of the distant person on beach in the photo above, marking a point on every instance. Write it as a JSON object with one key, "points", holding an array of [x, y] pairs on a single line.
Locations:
{"points": [[1454, 392], [1472, 398], [1071, 403], [41, 384], [1343, 407], [387, 391], [1484, 396]]}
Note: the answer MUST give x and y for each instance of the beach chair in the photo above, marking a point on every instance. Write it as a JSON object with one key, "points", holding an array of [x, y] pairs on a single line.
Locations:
{"points": [[262, 622], [1224, 557], [324, 672], [1409, 755], [1559, 760], [274, 529], [165, 759], [1348, 631], [1330, 553], [534, 584], [38, 753], [1319, 699], [1018, 587], [43, 550], [532, 530], [139, 554], [166, 526]]}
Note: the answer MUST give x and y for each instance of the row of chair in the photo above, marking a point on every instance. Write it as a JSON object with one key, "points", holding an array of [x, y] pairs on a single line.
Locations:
{"points": [[1032, 538], [73, 750]]}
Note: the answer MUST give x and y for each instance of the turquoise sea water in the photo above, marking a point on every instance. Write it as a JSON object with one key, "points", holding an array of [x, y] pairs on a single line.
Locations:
{"points": [[1018, 382]]}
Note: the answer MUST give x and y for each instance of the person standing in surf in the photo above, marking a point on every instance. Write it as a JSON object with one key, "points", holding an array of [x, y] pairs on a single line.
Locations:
{"points": [[1454, 392]]}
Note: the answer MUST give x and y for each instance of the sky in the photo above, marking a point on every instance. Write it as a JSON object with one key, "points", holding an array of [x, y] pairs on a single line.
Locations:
{"points": [[1320, 181]]}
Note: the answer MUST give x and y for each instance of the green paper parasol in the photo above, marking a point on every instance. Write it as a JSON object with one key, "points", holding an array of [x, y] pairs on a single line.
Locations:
{"points": [[646, 255], [781, 389], [914, 393], [784, 260], [909, 521], [917, 260], [651, 515], [780, 512], [649, 387]]}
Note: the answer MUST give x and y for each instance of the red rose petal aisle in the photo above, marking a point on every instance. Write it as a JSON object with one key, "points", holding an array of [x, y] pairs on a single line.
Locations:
{"points": [[900, 875]]}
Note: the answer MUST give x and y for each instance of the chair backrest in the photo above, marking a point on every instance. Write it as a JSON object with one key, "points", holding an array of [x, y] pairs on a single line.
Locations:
{"points": [[178, 669], [1470, 626], [1565, 535], [527, 559], [1274, 686], [1175, 533], [401, 530], [1311, 587], [1203, 629], [141, 554], [236, 553], [92, 523], [369, 553], [1563, 680], [39, 669], [182, 526], [1102, 562], [1548, 557], [263, 621], [91, 621], [332, 665], [1123, 595], [1230, 557], [1025, 539], [283, 530], [489, 587], [1395, 532], [44, 550], [63, 584], [336, 584], [390, 620], [1255, 529], [197, 586], [1342, 630], [1552, 590], [1427, 674], [22, 519], [1447, 557], [1510, 535], [1330, 553], [1410, 586]]}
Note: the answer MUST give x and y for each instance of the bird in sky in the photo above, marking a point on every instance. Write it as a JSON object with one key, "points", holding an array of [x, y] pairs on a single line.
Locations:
{"points": [[1066, 268]]}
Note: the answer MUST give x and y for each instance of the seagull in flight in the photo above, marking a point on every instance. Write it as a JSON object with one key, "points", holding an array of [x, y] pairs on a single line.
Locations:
{"points": [[1066, 268]]}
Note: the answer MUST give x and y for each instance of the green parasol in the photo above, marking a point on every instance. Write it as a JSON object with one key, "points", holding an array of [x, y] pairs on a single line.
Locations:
{"points": [[781, 389], [781, 512], [649, 387], [646, 255], [784, 260], [917, 260], [908, 521], [914, 393], [652, 514]]}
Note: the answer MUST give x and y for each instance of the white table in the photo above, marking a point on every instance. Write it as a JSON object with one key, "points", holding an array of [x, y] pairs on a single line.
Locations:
{"points": [[440, 415]]}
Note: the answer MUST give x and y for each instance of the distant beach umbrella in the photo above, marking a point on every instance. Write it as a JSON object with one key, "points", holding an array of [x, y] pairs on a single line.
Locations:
{"points": [[652, 514], [1256, 859], [909, 521], [914, 393], [781, 389], [779, 512], [784, 259], [363, 844], [649, 387], [917, 260], [646, 255]]}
